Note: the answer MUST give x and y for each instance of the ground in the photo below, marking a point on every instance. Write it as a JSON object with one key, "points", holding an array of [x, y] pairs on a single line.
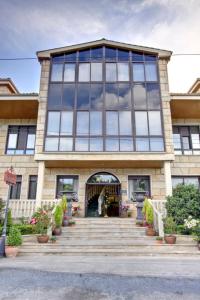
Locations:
{"points": [[99, 278]]}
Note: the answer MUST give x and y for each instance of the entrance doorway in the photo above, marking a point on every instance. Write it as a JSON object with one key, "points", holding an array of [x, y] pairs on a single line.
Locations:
{"points": [[103, 195]]}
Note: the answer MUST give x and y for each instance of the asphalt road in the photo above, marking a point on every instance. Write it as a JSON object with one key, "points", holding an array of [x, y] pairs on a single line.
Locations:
{"points": [[21, 284]]}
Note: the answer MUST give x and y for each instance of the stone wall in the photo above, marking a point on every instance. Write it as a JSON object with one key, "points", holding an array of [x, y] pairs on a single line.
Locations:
{"points": [[23, 164]]}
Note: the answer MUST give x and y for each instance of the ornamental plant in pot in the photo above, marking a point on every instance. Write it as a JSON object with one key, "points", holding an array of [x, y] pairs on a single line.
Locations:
{"points": [[159, 240], [149, 218], [71, 223], [58, 219], [170, 229], [14, 240], [41, 228]]}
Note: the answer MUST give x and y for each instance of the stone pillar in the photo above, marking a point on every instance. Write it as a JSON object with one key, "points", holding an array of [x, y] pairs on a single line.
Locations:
{"points": [[40, 183], [168, 178]]}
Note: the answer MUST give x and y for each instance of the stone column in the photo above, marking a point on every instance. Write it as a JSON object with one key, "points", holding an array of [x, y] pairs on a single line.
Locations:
{"points": [[168, 178], [40, 183]]}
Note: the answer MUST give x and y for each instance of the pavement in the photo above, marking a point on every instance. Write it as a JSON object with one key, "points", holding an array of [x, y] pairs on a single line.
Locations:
{"points": [[98, 278]]}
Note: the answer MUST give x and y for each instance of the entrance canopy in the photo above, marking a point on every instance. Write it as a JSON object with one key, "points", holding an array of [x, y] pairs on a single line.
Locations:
{"points": [[103, 178]]}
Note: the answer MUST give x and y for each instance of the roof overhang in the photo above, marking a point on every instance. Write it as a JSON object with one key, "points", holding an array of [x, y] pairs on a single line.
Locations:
{"points": [[195, 87], [185, 106], [18, 106], [10, 84], [103, 42]]}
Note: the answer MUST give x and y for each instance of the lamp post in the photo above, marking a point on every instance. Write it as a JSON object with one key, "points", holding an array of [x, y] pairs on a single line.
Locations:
{"points": [[10, 179]]}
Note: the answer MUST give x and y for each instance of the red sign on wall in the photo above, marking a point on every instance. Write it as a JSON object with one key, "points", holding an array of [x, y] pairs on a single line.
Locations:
{"points": [[10, 177]]}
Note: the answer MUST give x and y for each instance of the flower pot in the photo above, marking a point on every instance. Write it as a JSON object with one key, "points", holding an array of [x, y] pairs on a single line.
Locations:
{"points": [[42, 238], [150, 231], [170, 239], [159, 242], [65, 222], [57, 231], [11, 251]]}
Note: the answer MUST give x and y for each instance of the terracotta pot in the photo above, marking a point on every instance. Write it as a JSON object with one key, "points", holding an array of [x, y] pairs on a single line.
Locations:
{"points": [[11, 251], [159, 242], [42, 238], [57, 231], [170, 239], [150, 231]]}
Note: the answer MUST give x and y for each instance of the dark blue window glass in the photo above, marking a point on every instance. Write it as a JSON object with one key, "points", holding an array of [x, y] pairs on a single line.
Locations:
{"points": [[84, 55], [96, 53], [124, 95], [68, 96], [58, 58], [123, 55], [137, 56], [96, 96], [111, 96], [110, 54], [55, 95], [70, 56], [149, 57], [83, 96]]}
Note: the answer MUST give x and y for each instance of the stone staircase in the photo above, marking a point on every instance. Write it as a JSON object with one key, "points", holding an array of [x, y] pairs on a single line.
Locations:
{"points": [[107, 237]]}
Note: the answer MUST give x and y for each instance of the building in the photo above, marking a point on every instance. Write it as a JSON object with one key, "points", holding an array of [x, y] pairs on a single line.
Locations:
{"points": [[103, 125]]}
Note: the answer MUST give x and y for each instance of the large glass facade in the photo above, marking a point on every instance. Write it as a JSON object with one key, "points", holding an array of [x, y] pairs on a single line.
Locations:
{"points": [[104, 99]]}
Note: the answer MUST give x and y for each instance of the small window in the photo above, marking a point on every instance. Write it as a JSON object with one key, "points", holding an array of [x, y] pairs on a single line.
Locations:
{"points": [[82, 123], [83, 96], [123, 71], [32, 187], [125, 123], [66, 127], [111, 96], [96, 144], [112, 127], [95, 123], [139, 96], [81, 144], [15, 190], [51, 144], [155, 123], [67, 185], [53, 127], [112, 144], [96, 71]]}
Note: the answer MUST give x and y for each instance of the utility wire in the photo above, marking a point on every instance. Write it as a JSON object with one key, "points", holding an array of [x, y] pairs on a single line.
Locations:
{"points": [[33, 58]]}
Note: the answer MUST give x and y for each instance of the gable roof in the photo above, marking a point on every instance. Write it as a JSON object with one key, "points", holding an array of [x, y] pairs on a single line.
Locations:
{"points": [[103, 42], [195, 87]]}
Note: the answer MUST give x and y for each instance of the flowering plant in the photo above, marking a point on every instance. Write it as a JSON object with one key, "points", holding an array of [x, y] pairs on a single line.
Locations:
{"points": [[191, 223], [75, 210], [125, 207], [41, 218]]}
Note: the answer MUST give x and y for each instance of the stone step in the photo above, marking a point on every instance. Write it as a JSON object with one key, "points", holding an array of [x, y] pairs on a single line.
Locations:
{"points": [[101, 230]]}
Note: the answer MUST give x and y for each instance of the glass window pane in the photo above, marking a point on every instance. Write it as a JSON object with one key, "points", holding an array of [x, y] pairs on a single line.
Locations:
{"points": [[142, 144], [96, 96], [111, 96], [96, 53], [12, 140], [176, 181], [66, 144], [126, 144], [155, 123], [53, 123], [68, 96], [112, 123], [30, 141], [56, 72], [66, 123], [112, 144], [141, 123], [123, 55], [69, 73], [32, 187], [186, 142], [55, 95], [96, 71], [156, 144], [84, 55], [138, 72], [51, 144], [83, 96], [70, 56], [125, 123], [82, 123], [139, 96], [137, 56], [192, 180], [110, 54], [149, 57], [95, 123], [195, 141], [111, 72], [96, 144], [124, 95], [84, 72], [151, 72], [153, 96], [58, 58], [123, 71], [177, 141], [81, 144]]}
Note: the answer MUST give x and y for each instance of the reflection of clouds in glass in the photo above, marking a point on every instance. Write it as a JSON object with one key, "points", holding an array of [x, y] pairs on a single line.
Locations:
{"points": [[69, 74], [139, 96], [125, 123], [81, 144], [153, 95], [96, 96], [111, 96], [124, 95]]}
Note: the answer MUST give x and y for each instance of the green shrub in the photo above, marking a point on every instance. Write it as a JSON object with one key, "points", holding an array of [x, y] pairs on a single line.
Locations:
{"points": [[184, 202], [145, 206], [9, 218], [169, 226], [149, 215], [14, 238], [64, 203], [58, 216], [2, 205], [181, 229]]}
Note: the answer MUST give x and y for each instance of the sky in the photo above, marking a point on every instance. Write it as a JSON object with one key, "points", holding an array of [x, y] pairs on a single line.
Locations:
{"points": [[27, 26]]}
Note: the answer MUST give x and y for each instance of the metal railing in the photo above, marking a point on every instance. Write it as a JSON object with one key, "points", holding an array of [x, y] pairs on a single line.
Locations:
{"points": [[159, 212]]}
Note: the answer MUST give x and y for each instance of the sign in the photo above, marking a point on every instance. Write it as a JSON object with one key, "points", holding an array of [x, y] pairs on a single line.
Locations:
{"points": [[10, 177]]}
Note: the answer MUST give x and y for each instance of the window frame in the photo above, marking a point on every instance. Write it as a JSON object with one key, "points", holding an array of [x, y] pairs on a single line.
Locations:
{"points": [[184, 177], [74, 177], [30, 180], [182, 150], [17, 188]]}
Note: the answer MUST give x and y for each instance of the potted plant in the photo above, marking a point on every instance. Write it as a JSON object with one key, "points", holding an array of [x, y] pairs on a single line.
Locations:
{"points": [[124, 210], [14, 240], [58, 219], [41, 227], [159, 240], [139, 223], [170, 229], [53, 239], [75, 210], [149, 218], [71, 223]]}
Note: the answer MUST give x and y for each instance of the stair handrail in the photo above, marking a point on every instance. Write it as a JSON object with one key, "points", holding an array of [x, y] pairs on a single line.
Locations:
{"points": [[158, 219]]}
